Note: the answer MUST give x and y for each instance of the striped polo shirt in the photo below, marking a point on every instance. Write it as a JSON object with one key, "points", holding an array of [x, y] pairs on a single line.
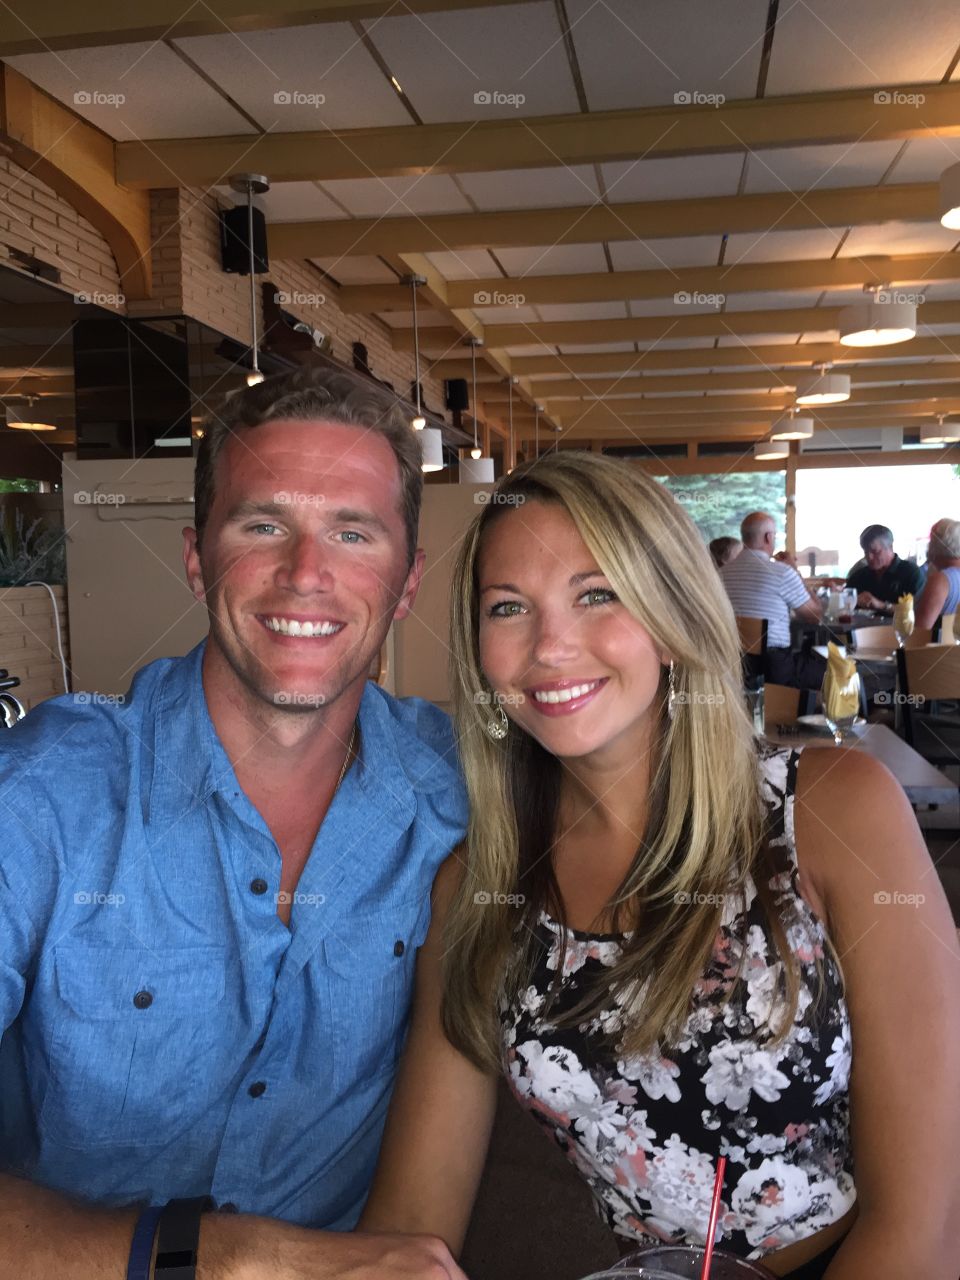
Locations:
{"points": [[759, 587]]}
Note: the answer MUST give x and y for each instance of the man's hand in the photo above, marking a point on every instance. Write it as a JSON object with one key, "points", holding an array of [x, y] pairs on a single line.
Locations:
{"points": [[865, 600], [386, 1257]]}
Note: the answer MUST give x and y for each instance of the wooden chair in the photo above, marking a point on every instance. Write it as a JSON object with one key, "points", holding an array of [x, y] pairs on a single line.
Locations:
{"points": [[926, 676], [873, 638], [943, 629], [782, 705], [753, 645]]}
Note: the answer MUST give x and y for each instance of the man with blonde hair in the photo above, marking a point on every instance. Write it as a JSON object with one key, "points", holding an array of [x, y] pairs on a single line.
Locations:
{"points": [[761, 587]]}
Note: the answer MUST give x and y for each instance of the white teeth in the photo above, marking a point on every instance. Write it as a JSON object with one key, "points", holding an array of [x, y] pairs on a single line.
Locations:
{"points": [[291, 627], [565, 695]]}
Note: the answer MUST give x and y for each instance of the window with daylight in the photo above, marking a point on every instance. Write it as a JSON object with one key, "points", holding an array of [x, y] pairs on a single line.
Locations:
{"points": [[718, 502]]}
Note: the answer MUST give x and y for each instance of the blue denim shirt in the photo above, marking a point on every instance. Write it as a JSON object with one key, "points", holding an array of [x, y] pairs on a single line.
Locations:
{"points": [[163, 1032]]}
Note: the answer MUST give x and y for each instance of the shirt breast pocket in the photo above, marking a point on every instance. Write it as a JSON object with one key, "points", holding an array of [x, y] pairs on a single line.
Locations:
{"points": [[132, 1043], [369, 971]]}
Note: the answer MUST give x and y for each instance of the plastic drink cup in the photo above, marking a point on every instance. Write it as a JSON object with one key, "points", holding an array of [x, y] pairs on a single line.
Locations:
{"points": [[687, 1261]]}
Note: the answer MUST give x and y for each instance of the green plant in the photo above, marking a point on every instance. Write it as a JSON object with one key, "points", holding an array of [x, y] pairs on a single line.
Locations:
{"points": [[33, 553]]}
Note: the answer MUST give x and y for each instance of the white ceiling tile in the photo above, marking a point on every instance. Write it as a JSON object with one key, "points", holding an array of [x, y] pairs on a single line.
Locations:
{"points": [[133, 91], [925, 159], [810, 168], [363, 269], [676, 344], [464, 264], [398, 197], [642, 255], [674, 306], [780, 246], [842, 297], [819, 335], [770, 301], [933, 330], [672, 178], [820, 44], [531, 349], [603, 348], [549, 260], [279, 75], [637, 55], [758, 339], [532, 188], [453, 65], [289, 202], [583, 311], [948, 291], [898, 238], [505, 315]]}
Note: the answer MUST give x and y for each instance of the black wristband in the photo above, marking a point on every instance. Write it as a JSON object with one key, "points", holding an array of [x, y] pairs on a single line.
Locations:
{"points": [[178, 1237]]}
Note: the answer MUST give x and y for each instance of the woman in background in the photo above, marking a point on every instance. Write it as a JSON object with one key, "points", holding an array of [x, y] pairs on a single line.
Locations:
{"points": [[941, 592], [675, 942], [723, 550]]}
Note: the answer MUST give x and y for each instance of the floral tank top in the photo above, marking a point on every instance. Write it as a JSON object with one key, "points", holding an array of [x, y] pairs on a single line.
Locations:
{"points": [[645, 1132]]}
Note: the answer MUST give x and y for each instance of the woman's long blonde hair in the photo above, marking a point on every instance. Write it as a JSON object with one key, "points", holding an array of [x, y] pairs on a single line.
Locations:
{"points": [[705, 832]]}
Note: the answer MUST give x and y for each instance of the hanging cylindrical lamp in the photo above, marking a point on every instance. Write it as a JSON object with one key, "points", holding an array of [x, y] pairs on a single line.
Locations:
{"points": [[28, 420], [792, 427], [767, 449], [251, 184], [431, 438], [877, 323], [476, 469], [950, 198], [938, 433], [822, 387], [510, 382]]}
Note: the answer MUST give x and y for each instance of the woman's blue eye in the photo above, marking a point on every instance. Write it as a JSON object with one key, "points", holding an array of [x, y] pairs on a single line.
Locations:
{"points": [[599, 595], [504, 609]]}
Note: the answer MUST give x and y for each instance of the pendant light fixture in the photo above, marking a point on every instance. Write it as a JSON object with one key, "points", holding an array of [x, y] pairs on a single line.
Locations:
{"points": [[877, 324], [767, 449], [538, 409], [27, 419], [251, 184], [822, 387], [431, 439], [510, 381], [791, 427], [476, 469], [950, 198], [931, 433]]}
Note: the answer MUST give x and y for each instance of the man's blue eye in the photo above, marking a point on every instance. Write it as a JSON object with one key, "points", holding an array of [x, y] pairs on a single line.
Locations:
{"points": [[255, 527], [352, 534]]}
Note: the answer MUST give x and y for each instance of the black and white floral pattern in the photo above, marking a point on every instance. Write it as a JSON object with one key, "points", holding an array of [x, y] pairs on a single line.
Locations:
{"points": [[645, 1132]]}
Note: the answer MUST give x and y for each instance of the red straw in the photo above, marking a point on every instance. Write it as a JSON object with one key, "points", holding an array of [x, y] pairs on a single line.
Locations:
{"points": [[714, 1215]]}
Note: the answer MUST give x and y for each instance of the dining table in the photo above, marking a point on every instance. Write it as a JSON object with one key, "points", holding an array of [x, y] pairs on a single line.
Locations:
{"points": [[920, 780]]}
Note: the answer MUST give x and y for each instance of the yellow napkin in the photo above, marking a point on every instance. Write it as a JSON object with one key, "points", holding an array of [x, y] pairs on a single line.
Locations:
{"points": [[841, 688], [903, 615]]}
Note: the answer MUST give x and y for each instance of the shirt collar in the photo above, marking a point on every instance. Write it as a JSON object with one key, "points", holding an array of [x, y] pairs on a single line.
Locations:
{"points": [[396, 759]]}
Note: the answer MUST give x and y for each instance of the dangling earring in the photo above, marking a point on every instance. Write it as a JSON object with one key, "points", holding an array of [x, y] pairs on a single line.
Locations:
{"points": [[498, 725], [671, 691]]}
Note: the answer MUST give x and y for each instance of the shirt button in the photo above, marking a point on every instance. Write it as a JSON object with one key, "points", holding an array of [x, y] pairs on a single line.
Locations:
{"points": [[398, 947], [257, 1088], [143, 999], [228, 1207], [258, 886]]}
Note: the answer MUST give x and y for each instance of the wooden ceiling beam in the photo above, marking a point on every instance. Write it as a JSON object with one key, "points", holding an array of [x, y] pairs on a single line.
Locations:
{"points": [[834, 416], [931, 399], [541, 141], [623, 286]]}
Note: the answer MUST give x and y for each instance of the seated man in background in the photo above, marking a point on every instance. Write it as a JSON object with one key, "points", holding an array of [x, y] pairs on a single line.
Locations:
{"points": [[883, 577], [212, 890], [761, 587]]}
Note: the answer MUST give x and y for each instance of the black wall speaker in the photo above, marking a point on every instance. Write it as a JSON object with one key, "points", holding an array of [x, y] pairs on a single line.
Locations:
{"points": [[234, 246], [455, 394]]}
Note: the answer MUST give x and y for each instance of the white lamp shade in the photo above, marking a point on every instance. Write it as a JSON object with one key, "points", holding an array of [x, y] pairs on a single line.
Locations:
{"points": [[431, 449], [771, 449], [823, 388], [877, 324], [476, 471], [27, 420], [950, 197], [792, 428], [939, 432]]}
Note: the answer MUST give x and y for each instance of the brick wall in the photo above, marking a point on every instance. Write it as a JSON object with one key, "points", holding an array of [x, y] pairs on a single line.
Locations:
{"points": [[34, 219], [28, 645]]}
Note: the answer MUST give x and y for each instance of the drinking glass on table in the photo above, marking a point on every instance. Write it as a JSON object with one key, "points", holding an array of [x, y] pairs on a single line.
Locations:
{"points": [[842, 693], [686, 1260]]}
